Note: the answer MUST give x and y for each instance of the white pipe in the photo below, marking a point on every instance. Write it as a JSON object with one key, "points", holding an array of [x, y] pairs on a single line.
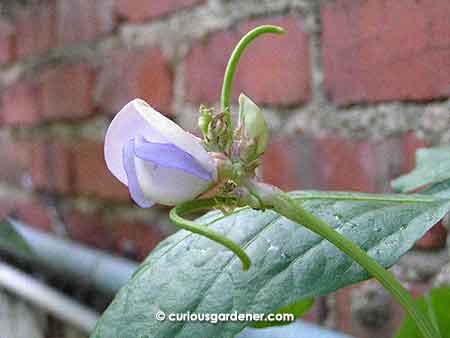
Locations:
{"points": [[48, 299]]}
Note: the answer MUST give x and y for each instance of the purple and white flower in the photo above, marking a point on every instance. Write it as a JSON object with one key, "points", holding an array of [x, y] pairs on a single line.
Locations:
{"points": [[158, 160]]}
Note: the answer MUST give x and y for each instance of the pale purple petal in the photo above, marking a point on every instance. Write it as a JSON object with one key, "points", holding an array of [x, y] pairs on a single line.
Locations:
{"points": [[170, 156], [128, 159], [174, 134], [126, 125]]}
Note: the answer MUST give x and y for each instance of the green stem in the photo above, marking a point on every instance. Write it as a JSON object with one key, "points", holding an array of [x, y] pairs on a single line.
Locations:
{"points": [[283, 204], [231, 69], [197, 205]]}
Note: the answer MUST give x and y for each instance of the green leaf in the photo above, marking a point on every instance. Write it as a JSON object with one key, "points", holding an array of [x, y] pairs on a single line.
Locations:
{"points": [[297, 309], [11, 240], [433, 166], [187, 272], [436, 305]]}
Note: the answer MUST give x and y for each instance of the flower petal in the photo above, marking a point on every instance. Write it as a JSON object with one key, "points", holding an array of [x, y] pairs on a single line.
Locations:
{"points": [[126, 125], [128, 158], [170, 156], [174, 134], [168, 186]]}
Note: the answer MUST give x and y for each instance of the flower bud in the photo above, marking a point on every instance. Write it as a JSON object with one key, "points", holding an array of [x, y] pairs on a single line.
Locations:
{"points": [[158, 160], [254, 130], [205, 119]]}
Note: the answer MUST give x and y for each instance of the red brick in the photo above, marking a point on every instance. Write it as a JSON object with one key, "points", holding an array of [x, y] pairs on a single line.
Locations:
{"points": [[350, 319], [91, 175], [277, 160], [128, 74], [123, 237], [36, 214], [333, 162], [82, 20], [345, 164], [67, 91], [39, 166], [89, 229], [435, 238], [141, 10], [411, 142], [348, 315], [7, 40], [274, 69], [314, 314], [15, 160], [373, 52], [21, 103], [35, 27], [287, 163], [358, 165], [140, 239], [31, 211], [79, 168], [51, 167]]}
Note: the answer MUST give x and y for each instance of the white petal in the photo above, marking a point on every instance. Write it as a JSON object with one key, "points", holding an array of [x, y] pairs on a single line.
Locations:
{"points": [[168, 186]]}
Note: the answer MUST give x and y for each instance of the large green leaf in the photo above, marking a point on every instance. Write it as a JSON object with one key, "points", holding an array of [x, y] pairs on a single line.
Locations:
{"points": [[436, 305], [187, 272], [433, 166], [11, 240]]}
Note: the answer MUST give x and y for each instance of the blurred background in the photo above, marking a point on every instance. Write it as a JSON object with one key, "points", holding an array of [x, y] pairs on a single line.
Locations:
{"points": [[351, 91]]}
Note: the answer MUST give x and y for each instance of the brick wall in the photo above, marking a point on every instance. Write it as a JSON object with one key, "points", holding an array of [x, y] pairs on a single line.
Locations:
{"points": [[352, 89]]}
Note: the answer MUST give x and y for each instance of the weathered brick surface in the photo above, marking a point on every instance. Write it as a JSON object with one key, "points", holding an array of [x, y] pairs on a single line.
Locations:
{"points": [[31, 211], [373, 52], [345, 164], [60, 92], [67, 91], [275, 70], [333, 162], [51, 167], [127, 74], [7, 40], [35, 28], [141, 10], [74, 169], [287, 163], [409, 147], [21, 104], [365, 310], [90, 174], [89, 229], [435, 238], [83, 20], [134, 240], [15, 161]]}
